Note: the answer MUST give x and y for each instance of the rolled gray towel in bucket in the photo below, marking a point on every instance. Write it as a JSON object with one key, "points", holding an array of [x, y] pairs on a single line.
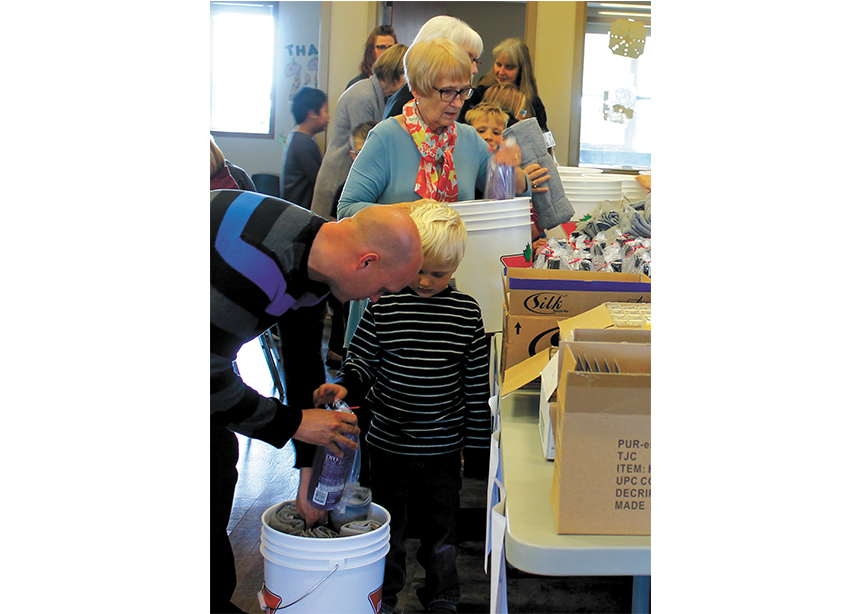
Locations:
{"points": [[320, 531], [357, 527], [553, 207], [285, 520], [357, 507]]}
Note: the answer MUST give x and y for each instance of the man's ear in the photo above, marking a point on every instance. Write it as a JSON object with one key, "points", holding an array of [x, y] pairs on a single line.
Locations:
{"points": [[367, 260]]}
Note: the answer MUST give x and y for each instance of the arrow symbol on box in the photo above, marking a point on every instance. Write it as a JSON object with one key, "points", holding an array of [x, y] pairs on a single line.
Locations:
{"points": [[518, 327]]}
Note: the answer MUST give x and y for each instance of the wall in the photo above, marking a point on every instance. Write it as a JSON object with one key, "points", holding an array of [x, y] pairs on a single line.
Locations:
{"points": [[494, 21], [557, 30], [345, 28]]}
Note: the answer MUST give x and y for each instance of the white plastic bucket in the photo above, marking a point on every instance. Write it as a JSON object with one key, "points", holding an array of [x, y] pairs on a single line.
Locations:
{"points": [[587, 180], [632, 189], [577, 170], [478, 206], [500, 225], [494, 210], [479, 274], [337, 575], [486, 215], [494, 216]]}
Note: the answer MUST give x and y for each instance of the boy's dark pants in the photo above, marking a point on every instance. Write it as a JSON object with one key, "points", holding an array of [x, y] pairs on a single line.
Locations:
{"points": [[425, 492]]}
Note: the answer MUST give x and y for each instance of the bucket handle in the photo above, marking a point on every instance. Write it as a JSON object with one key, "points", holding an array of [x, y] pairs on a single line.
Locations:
{"points": [[308, 592]]}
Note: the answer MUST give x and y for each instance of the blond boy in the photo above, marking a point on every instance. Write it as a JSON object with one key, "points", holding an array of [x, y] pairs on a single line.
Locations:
{"points": [[489, 121]]}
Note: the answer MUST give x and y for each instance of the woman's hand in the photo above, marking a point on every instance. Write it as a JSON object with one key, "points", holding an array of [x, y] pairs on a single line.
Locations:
{"points": [[537, 175], [328, 393], [508, 154], [512, 156], [311, 515]]}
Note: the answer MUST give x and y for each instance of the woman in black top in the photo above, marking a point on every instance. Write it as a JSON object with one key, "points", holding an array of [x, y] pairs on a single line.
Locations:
{"points": [[512, 64]]}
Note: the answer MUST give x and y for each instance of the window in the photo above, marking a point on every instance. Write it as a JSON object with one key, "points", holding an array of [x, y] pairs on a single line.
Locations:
{"points": [[241, 65], [616, 97]]}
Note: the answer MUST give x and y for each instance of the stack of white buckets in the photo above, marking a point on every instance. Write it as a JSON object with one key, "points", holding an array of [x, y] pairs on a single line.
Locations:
{"points": [[311, 575], [495, 228], [586, 188]]}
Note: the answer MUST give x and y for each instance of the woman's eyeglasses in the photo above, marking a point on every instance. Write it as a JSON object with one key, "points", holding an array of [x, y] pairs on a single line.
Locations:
{"points": [[383, 47], [449, 94]]}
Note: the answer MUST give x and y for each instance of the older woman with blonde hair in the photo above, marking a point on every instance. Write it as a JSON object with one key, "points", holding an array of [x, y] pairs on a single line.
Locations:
{"points": [[448, 27]]}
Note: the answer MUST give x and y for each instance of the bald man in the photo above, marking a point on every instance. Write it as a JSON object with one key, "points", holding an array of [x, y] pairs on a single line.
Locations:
{"points": [[267, 257]]}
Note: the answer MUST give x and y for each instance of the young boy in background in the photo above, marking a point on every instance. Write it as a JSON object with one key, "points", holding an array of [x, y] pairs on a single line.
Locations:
{"points": [[302, 158], [419, 362], [489, 121]]}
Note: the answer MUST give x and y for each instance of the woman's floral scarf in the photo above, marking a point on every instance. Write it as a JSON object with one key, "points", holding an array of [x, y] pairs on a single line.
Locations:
{"points": [[429, 182]]}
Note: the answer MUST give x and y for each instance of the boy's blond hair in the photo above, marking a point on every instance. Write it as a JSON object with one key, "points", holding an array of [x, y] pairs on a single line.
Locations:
{"points": [[443, 233], [486, 109]]}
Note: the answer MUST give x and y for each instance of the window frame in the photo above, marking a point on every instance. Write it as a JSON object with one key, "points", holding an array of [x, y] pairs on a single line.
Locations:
{"points": [[253, 7], [595, 23]]}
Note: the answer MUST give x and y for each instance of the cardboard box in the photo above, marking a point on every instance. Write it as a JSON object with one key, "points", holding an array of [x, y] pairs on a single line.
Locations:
{"points": [[547, 437], [546, 292], [537, 299], [544, 366], [526, 336], [602, 471], [548, 386]]}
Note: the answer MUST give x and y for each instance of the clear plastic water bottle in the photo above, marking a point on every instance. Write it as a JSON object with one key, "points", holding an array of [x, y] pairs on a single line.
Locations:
{"points": [[331, 474], [500, 177]]}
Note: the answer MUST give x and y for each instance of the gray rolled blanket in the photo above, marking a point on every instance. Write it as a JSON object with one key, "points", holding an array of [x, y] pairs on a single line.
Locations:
{"points": [[553, 207], [285, 519]]}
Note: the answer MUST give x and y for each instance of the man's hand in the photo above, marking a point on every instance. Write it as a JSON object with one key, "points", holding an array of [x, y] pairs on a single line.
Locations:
{"points": [[323, 427], [512, 156]]}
